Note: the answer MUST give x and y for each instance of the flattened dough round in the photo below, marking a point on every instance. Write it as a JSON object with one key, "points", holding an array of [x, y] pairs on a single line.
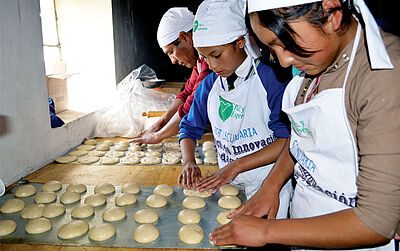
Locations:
{"points": [[51, 186], [114, 214], [222, 217], [78, 153], [198, 161], [12, 206], [171, 160], [189, 216], [80, 188], [208, 148], [88, 159], [192, 192], [146, 233], [97, 153], [228, 189], [193, 202], [172, 155], [136, 154], [130, 160], [38, 226], [102, 232], [104, 188], [86, 147], [70, 197], [108, 142], [131, 188], [164, 190], [33, 211], [150, 160], [153, 154], [73, 229], [121, 147], [82, 211], [191, 234], [135, 147], [53, 210], [115, 154], [123, 143], [103, 147], [90, 142], [125, 199], [208, 143], [66, 159], [109, 160], [146, 216], [7, 227], [210, 160], [25, 191], [158, 145], [156, 201], [229, 202], [45, 197], [210, 153], [173, 145], [96, 200]]}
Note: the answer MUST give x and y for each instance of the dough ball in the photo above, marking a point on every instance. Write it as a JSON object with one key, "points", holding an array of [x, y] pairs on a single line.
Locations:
{"points": [[78, 153], [96, 200], [104, 188], [131, 188], [121, 147], [193, 202], [38, 226], [53, 210], [208, 148], [146, 216], [198, 161], [96, 153], [82, 211], [136, 154], [7, 227], [79, 188], [102, 232], [164, 190], [222, 217], [109, 160], [88, 159], [172, 155], [191, 234], [189, 216], [32, 211], [90, 142], [228, 189], [208, 144], [171, 160], [70, 197], [130, 160], [125, 199], [108, 142], [25, 191], [211, 153], [45, 197], [73, 229], [153, 154], [136, 147], [192, 192], [115, 154], [146, 233], [86, 147], [114, 214], [52, 186], [123, 143], [156, 201], [150, 160], [66, 159], [103, 147], [210, 160], [229, 202], [12, 206]]}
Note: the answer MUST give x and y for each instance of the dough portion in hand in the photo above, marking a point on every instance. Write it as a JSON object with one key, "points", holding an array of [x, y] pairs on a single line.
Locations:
{"points": [[222, 217], [52, 186], [156, 201], [73, 229], [164, 190], [70, 197], [38, 226], [146, 233], [114, 214], [12, 206], [80, 188], [25, 191], [229, 202], [96, 200], [125, 199], [192, 192], [130, 188], [78, 153], [33, 211], [45, 197], [104, 188], [228, 189], [66, 159], [191, 234], [7, 227], [102, 232], [193, 202], [150, 160], [189, 216], [82, 211], [53, 210], [146, 216], [88, 159]]}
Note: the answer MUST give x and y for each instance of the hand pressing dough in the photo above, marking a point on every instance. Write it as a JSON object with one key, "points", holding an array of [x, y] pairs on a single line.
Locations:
{"points": [[189, 216], [164, 190], [156, 201], [70, 197], [12, 206], [146, 216], [192, 192], [191, 234], [73, 229], [90, 142], [66, 159], [228, 189], [102, 232], [130, 160], [109, 160], [96, 200], [146, 233], [210, 160], [7, 227], [78, 153], [82, 211], [86, 147], [210, 153], [53, 210], [52, 186], [103, 147], [171, 160], [115, 154], [25, 191], [150, 160], [38, 226], [108, 142], [222, 217], [114, 214], [229, 202], [153, 154], [125, 199], [193, 202], [33, 211], [130, 188], [45, 197], [88, 159], [136, 154], [121, 147], [80, 188], [104, 188], [97, 153]]}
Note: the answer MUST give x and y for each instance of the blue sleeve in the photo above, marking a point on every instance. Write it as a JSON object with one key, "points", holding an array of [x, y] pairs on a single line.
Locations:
{"points": [[194, 123], [278, 123]]}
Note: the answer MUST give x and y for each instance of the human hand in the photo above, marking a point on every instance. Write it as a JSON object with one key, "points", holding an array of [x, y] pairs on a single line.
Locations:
{"points": [[218, 179], [147, 138], [244, 230], [190, 175]]}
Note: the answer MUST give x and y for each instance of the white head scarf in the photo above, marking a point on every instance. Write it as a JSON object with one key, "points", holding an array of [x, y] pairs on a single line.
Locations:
{"points": [[172, 23], [219, 22], [376, 48]]}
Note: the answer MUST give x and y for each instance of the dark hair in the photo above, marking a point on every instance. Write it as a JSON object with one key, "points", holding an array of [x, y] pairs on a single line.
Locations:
{"points": [[278, 20]]}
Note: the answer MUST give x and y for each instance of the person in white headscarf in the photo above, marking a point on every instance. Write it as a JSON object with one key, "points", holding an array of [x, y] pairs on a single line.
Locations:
{"points": [[344, 146], [242, 101], [174, 36]]}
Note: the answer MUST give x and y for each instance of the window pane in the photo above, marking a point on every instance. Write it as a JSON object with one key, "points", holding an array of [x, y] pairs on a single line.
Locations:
{"points": [[49, 28], [51, 55]]}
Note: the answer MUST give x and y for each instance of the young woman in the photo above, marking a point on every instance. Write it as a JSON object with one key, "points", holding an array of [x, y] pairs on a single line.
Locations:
{"points": [[344, 149], [244, 114]]}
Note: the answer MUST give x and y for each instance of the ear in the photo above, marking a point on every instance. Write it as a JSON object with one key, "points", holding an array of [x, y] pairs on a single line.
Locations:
{"points": [[240, 42], [335, 17], [186, 36]]}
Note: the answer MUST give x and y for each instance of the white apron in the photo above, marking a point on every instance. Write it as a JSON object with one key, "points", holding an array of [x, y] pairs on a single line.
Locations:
{"points": [[239, 120], [323, 145]]}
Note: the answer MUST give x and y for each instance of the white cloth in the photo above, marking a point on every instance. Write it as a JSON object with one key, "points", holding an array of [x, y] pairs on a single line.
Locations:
{"points": [[376, 49], [174, 21], [219, 22]]}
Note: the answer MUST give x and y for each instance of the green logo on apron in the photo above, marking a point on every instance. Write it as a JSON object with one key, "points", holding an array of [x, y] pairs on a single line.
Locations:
{"points": [[225, 109], [196, 24]]}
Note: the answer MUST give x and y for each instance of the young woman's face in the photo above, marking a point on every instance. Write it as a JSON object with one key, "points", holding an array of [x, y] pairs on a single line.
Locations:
{"points": [[325, 45], [224, 59]]}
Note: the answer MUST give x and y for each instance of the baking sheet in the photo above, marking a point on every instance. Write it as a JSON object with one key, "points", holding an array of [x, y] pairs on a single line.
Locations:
{"points": [[168, 224]]}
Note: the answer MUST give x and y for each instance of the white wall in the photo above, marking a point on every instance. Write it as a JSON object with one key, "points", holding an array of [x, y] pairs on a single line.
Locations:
{"points": [[26, 140]]}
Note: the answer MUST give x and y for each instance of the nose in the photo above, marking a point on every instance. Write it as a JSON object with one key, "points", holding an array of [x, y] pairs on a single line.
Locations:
{"points": [[285, 57], [173, 59]]}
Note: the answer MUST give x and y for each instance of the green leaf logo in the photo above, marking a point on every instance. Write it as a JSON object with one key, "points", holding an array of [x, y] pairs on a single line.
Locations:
{"points": [[196, 24], [225, 109]]}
